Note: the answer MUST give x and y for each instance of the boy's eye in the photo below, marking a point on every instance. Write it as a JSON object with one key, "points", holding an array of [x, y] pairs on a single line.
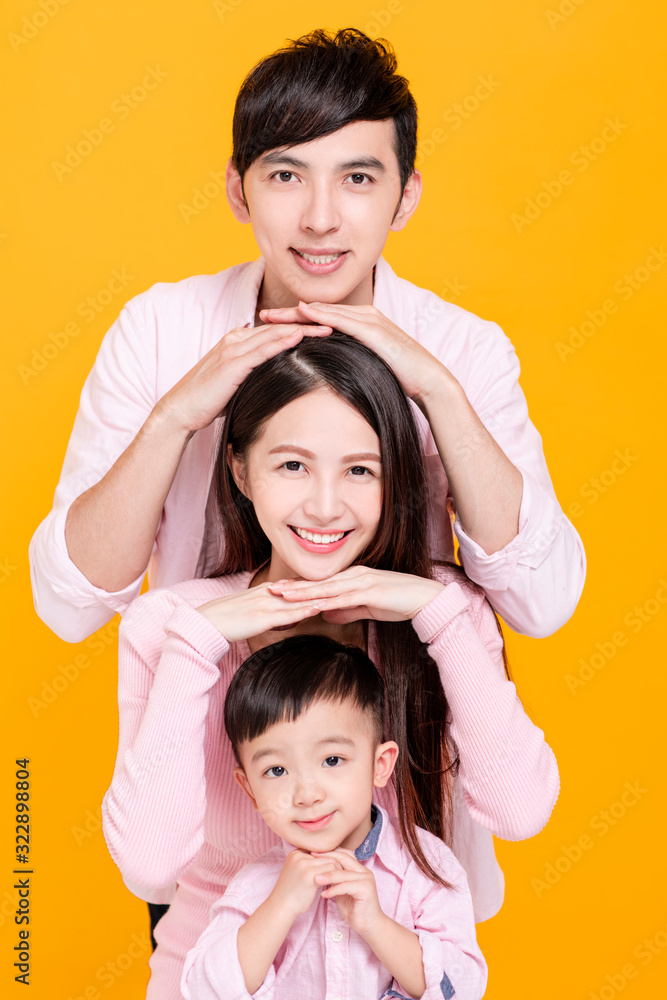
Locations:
{"points": [[332, 761], [276, 772]]}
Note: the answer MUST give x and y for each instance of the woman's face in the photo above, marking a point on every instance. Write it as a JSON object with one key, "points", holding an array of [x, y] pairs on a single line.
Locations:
{"points": [[315, 480]]}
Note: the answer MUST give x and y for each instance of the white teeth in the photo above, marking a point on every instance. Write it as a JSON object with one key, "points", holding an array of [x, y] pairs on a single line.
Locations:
{"points": [[319, 539], [320, 260]]}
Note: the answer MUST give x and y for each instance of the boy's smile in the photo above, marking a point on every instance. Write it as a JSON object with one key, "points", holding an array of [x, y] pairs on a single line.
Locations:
{"points": [[321, 213]]}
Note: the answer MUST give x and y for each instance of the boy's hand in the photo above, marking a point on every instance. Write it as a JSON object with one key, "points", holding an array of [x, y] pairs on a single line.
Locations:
{"points": [[297, 887], [353, 887]]}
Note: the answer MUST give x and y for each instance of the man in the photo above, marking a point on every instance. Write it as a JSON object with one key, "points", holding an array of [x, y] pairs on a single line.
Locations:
{"points": [[323, 168]]}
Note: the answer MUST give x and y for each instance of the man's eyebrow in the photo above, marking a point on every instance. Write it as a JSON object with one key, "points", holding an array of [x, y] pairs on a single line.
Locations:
{"points": [[277, 158]]}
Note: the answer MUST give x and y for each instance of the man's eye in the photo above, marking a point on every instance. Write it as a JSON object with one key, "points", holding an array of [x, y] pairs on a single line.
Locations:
{"points": [[276, 772], [285, 175], [332, 761], [359, 178]]}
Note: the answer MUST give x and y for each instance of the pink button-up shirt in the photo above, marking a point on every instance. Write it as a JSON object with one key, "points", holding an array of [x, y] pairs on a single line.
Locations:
{"points": [[534, 582], [322, 958]]}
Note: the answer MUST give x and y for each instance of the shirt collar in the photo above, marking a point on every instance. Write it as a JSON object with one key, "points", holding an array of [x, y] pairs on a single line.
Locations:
{"points": [[251, 276], [382, 841]]}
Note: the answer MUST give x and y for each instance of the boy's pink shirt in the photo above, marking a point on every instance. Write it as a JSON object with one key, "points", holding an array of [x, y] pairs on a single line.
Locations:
{"points": [[534, 582], [322, 956], [175, 815]]}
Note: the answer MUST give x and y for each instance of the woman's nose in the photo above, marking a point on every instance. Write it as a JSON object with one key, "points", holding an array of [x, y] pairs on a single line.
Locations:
{"points": [[323, 505]]}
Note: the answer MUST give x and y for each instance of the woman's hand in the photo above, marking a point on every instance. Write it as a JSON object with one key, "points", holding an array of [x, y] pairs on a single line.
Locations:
{"points": [[361, 592], [256, 610]]}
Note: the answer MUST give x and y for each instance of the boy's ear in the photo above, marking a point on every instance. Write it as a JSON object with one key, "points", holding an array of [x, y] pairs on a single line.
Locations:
{"points": [[241, 779], [408, 203], [237, 467], [385, 761], [235, 194]]}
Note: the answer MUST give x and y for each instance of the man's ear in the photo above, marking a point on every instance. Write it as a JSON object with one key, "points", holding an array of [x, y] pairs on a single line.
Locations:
{"points": [[241, 779], [412, 192], [235, 195], [385, 761], [237, 467]]}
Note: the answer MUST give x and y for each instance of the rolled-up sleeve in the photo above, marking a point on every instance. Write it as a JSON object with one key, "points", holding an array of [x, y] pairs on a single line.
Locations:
{"points": [[116, 400], [535, 582], [212, 969]]}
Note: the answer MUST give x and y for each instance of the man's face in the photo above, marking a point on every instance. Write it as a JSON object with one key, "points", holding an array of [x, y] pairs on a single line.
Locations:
{"points": [[321, 213]]}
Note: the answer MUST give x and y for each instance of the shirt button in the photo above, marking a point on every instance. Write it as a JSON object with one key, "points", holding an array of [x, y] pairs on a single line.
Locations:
{"points": [[337, 936]]}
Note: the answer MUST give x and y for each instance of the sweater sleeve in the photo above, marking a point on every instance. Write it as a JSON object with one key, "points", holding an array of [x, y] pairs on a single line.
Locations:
{"points": [[153, 813], [508, 772]]}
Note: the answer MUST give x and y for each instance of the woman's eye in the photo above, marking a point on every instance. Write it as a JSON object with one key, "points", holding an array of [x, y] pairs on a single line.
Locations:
{"points": [[292, 466], [276, 772], [332, 761], [360, 470]]}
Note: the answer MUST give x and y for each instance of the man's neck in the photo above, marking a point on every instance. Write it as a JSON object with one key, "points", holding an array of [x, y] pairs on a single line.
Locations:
{"points": [[273, 294]]}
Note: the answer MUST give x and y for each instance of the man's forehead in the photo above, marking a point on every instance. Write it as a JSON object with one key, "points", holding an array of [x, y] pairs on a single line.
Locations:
{"points": [[360, 144]]}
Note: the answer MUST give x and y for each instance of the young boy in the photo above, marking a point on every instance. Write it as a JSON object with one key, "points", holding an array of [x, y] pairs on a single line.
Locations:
{"points": [[325, 136], [340, 908]]}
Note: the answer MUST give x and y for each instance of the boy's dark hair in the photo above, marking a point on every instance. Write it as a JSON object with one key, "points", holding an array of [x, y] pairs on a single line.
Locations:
{"points": [[315, 86], [279, 682]]}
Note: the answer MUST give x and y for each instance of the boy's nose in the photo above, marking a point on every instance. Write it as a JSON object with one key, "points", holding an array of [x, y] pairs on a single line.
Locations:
{"points": [[307, 792]]}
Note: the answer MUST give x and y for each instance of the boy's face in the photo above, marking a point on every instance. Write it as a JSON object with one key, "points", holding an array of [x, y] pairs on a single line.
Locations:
{"points": [[334, 199], [312, 779]]}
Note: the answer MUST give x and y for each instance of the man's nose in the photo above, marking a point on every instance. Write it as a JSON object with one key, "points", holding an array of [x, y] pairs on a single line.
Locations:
{"points": [[321, 212]]}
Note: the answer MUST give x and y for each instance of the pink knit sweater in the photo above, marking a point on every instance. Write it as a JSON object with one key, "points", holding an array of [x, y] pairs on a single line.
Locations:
{"points": [[175, 819]]}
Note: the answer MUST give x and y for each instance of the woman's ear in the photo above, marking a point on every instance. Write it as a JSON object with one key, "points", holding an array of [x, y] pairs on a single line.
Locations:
{"points": [[385, 761], [237, 467], [242, 780], [236, 194]]}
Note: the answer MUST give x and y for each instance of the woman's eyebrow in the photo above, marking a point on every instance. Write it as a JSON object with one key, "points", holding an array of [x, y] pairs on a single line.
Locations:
{"points": [[291, 447], [367, 456]]}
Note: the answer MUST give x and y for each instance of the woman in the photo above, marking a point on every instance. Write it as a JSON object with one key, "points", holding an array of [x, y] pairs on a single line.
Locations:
{"points": [[322, 503]]}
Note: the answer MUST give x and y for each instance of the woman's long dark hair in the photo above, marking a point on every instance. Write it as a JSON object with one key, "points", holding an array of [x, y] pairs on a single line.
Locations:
{"points": [[416, 703]]}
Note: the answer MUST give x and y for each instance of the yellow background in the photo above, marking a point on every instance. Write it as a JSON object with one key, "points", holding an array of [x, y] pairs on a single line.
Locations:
{"points": [[556, 79]]}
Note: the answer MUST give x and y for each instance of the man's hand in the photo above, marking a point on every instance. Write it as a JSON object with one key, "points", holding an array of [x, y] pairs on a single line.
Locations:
{"points": [[416, 369], [202, 393]]}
